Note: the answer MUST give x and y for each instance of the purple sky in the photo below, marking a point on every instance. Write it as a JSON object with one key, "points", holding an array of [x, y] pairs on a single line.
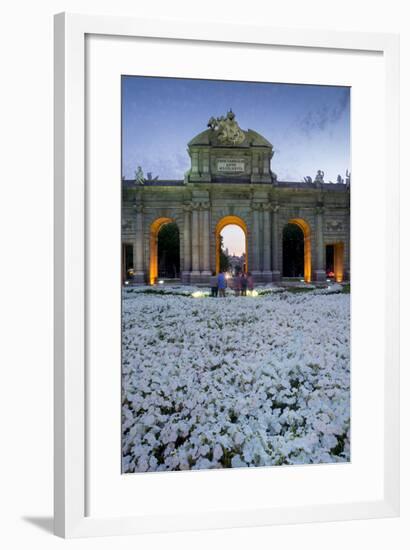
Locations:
{"points": [[233, 240], [309, 126]]}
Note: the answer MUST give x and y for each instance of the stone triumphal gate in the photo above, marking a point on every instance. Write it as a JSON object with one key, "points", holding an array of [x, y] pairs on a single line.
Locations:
{"points": [[230, 181]]}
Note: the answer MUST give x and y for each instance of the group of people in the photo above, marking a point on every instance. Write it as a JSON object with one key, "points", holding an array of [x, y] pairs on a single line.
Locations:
{"points": [[241, 283]]}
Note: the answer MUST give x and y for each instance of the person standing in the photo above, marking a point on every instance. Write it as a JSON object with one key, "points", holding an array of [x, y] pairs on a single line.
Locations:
{"points": [[213, 281], [249, 280], [221, 284], [237, 283], [244, 284]]}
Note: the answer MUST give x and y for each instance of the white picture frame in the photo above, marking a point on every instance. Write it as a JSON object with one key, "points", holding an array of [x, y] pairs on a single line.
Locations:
{"points": [[70, 261]]}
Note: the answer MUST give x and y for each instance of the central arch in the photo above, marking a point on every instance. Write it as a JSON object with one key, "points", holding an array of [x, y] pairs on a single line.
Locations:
{"points": [[307, 249], [223, 222], [155, 228]]}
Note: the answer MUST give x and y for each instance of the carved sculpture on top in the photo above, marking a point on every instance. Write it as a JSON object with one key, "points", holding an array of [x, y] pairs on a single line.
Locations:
{"points": [[140, 179], [227, 129], [320, 177], [139, 176]]}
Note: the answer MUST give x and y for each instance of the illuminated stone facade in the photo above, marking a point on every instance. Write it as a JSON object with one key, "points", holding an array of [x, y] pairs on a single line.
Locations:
{"points": [[231, 181]]}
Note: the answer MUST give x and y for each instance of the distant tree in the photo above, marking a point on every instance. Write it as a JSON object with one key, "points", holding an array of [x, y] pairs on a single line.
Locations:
{"points": [[223, 258]]}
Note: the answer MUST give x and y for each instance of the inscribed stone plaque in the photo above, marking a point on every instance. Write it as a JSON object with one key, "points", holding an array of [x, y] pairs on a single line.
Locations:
{"points": [[230, 165]]}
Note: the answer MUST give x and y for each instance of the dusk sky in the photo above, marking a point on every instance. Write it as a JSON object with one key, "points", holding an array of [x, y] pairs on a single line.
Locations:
{"points": [[308, 126]]}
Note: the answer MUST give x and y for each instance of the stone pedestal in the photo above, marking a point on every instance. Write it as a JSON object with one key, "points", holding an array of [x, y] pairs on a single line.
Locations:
{"points": [[138, 278], [257, 276], [319, 275], [266, 276], [185, 277], [195, 277], [276, 276]]}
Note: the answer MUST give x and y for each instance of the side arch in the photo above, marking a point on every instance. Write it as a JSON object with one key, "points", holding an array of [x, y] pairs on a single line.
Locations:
{"points": [[153, 246], [223, 222], [307, 234]]}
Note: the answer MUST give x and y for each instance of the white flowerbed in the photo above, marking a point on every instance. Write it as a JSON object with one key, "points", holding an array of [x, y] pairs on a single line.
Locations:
{"points": [[255, 381]]}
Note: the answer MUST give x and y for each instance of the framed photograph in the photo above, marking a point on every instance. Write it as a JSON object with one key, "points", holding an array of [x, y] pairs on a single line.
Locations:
{"points": [[226, 276]]}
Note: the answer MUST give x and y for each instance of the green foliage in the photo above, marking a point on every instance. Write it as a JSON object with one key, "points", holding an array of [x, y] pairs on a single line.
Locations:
{"points": [[223, 258], [298, 290]]}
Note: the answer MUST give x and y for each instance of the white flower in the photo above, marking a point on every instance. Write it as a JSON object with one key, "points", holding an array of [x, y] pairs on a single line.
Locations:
{"points": [[237, 462], [204, 450], [264, 378], [218, 452], [149, 420]]}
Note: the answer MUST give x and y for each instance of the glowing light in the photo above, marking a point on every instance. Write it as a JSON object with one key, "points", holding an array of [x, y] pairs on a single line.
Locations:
{"points": [[161, 282], [126, 283], [252, 293], [198, 294], [153, 255], [328, 280], [223, 222], [304, 226]]}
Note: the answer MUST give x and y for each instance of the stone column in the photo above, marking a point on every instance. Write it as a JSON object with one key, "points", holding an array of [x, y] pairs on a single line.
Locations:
{"points": [[205, 163], [275, 243], [347, 251], [255, 166], [206, 267], [195, 273], [256, 267], [195, 162], [138, 248], [320, 272], [187, 244], [267, 271], [266, 164]]}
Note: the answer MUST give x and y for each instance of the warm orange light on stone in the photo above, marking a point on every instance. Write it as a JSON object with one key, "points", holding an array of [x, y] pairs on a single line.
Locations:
{"points": [[223, 222], [338, 262], [305, 227], [153, 247]]}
